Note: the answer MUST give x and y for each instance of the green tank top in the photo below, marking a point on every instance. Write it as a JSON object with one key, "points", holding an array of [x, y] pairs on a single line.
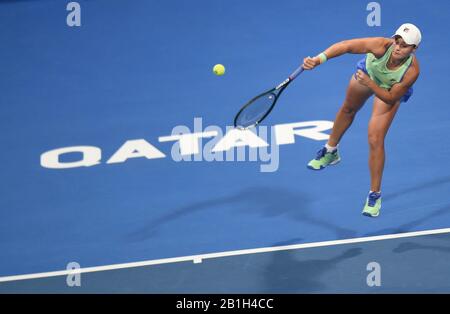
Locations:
{"points": [[379, 72]]}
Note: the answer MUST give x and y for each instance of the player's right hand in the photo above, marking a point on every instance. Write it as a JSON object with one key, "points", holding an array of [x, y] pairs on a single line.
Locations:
{"points": [[310, 63]]}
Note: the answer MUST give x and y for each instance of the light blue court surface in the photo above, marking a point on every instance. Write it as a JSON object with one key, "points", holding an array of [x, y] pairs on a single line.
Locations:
{"points": [[134, 70]]}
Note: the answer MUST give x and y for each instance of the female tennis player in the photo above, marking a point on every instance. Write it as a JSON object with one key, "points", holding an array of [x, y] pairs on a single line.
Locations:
{"points": [[388, 72]]}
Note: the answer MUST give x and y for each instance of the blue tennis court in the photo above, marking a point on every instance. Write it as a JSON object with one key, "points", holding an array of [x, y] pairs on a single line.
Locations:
{"points": [[119, 155]]}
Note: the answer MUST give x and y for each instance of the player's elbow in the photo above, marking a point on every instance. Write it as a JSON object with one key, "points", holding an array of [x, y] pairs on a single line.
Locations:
{"points": [[388, 98], [392, 100], [395, 96], [391, 96]]}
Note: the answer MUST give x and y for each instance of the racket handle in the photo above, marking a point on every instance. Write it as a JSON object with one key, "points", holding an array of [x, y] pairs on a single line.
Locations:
{"points": [[296, 73]]}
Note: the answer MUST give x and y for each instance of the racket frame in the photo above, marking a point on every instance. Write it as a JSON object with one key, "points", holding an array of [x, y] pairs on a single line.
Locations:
{"points": [[276, 91]]}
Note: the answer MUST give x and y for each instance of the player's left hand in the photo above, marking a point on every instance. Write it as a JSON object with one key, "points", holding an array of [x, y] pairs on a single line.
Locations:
{"points": [[363, 78]]}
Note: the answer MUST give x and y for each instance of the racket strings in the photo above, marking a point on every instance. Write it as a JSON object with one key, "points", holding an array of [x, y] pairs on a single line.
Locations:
{"points": [[255, 111]]}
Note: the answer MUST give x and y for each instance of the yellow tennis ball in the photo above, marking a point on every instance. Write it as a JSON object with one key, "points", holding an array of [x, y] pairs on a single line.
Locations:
{"points": [[219, 69]]}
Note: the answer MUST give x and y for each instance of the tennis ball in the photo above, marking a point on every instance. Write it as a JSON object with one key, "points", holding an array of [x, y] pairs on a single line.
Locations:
{"points": [[219, 69]]}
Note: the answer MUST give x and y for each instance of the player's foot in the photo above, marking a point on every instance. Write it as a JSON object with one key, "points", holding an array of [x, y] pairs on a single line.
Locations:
{"points": [[373, 205], [323, 159]]}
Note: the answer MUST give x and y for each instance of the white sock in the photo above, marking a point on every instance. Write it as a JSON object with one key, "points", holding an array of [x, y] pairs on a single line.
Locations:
{"points": [[379, 192], [330, 148]]}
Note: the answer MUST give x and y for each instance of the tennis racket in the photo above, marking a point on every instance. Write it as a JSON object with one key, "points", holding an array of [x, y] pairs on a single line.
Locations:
{"points": [[259, 107]]}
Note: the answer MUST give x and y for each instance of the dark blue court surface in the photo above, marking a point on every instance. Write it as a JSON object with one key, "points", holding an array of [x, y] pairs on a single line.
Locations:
{"points": [[90, 163]]}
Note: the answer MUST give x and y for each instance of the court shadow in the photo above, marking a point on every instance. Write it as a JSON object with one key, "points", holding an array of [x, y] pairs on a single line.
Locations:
{"points": [[411, 246], [210, 205], [409, 226], [259, 200], [271, 202], [416, 188], [288, 273]]}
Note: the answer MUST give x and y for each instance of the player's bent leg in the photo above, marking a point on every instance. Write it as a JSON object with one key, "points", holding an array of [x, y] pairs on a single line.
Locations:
{"points": [[355, 98], [356, 95]]}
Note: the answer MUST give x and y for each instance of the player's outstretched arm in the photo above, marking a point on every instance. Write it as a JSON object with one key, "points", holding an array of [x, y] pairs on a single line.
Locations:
{"points": [[375, 45]]}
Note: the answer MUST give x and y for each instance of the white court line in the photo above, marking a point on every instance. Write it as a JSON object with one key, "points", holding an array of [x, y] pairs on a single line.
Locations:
{"points": [[198, 258]]}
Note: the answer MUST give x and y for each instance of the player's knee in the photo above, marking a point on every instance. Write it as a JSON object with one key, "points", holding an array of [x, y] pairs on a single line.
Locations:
{"points": [[348, 111], [376, 140]]}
